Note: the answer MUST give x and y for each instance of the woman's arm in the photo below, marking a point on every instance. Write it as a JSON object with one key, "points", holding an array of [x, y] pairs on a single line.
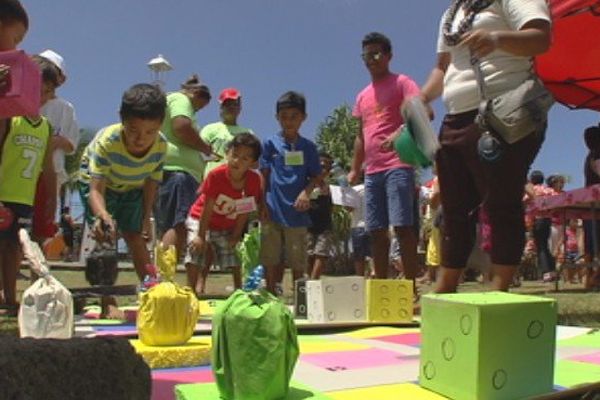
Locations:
{"points": [[434, 86], [532, 39]]}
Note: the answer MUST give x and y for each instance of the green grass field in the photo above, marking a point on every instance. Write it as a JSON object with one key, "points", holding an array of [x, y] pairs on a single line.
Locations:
{"points": [[575, 306]]}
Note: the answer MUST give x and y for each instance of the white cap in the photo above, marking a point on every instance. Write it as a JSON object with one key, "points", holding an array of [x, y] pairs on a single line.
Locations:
{"points": [[56, 60]]}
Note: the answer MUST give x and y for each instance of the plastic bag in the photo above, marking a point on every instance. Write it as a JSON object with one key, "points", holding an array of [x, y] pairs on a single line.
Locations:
{"points": [[248, 250], [47, 306], [102, 266], [255, 347], [167, 315], [46, 310]]}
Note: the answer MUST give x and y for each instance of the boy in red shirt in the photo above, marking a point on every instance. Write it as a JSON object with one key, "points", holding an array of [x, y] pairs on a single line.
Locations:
{"points": [[218, 217]]}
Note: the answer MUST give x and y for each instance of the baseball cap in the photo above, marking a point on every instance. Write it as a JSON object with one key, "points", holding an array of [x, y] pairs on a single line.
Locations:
{"points": [[229, 94], [56, 60]]}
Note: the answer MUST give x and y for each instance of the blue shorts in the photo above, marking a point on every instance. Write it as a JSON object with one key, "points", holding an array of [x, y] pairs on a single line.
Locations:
{"points": [[176, 195], [390, 199], [361, 244]]}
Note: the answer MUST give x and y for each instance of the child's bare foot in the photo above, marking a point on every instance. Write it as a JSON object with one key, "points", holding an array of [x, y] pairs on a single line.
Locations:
{"points": [[110, 309]]}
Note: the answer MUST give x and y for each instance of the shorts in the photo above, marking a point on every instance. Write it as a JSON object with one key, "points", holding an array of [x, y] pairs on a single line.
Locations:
{"points": [[176, 194], [43, 227], [126, 208], [361, 244], [225, 255], [390, 199], [292, 240], [320, 244], [22, 219]]}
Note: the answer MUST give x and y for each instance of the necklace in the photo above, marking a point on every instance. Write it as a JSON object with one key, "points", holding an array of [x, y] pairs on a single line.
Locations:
{"points": [[472, 8]]}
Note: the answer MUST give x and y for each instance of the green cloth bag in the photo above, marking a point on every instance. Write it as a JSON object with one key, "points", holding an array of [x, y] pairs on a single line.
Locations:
{"points": [[248, 251], [255, 347]]}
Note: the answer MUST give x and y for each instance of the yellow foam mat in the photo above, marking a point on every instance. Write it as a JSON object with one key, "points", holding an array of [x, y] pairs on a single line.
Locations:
{"points": [[367, 333], [194, 353], [308, 347], [387, 392]]}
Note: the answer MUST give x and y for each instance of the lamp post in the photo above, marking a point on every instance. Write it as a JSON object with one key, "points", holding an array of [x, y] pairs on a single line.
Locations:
{"points": [[159, 67]]}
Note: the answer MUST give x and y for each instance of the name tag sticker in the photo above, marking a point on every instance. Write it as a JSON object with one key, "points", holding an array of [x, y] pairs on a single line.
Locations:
{"points": [[245, 205], [294, 158]]}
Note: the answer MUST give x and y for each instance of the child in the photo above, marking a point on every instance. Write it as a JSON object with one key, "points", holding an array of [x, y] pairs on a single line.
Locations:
{"points": [[361, 240], [433, 258], [120, 173], [24, 154], [218, 217], [572, 246], [290, 166], [320, 231]]}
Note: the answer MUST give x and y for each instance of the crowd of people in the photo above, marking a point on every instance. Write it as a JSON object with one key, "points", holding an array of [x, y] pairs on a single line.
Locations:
{"points": [[203, 184]]}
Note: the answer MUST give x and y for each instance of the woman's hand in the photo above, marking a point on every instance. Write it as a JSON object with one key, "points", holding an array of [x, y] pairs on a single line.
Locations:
{"points": [[480, 42]]}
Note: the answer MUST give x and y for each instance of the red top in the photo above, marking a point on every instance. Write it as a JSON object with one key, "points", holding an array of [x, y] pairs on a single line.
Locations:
{"points": [[217, 185]]}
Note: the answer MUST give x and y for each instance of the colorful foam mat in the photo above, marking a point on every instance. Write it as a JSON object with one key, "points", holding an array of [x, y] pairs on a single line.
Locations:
{"points": [[375, 363], [90, 324]]}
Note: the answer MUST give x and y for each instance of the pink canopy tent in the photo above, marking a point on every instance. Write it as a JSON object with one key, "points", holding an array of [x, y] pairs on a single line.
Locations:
{"points": [[571, 68]]}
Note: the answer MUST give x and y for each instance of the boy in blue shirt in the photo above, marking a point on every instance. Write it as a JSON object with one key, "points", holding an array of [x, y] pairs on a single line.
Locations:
{"points": [[291, 168]]}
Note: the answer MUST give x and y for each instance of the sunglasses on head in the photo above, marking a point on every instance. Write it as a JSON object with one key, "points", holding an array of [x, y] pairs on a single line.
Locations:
{"points": [[374, 56]]}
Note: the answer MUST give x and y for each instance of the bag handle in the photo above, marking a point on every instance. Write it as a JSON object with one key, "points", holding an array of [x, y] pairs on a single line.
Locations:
{"points": [[33, 254], [480, 78]]}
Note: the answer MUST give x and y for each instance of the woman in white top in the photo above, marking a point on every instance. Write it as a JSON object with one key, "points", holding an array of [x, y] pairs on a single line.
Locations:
{"points": [[503, 35]]}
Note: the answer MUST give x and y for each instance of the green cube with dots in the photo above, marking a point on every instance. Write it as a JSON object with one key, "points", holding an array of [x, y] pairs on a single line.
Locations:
{"points": [[491, 345]]}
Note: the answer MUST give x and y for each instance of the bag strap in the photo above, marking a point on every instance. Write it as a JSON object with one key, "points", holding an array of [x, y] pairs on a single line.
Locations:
{"points": [[480, 78]]}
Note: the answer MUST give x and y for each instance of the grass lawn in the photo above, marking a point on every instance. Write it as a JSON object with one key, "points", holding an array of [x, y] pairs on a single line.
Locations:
{"points": [[575, 306]]}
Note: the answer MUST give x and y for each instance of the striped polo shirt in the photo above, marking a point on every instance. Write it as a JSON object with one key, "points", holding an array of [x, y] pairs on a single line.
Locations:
{"points": [[106, 157]]}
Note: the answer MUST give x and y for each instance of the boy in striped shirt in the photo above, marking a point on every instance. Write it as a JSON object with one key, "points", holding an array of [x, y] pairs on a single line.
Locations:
{"points": [[121, 170]]}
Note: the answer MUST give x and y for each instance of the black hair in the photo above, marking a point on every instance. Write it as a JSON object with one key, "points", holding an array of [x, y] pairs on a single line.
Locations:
{"points": [[50, 72], [194, 85], [248, 140], [536, 177], [378, 38], [13, 11], [291, 99], [66, 209], [144, 101], [592, 137]]}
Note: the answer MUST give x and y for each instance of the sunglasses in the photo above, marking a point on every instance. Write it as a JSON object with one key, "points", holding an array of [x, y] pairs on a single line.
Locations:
{"points": [[372, 56]]}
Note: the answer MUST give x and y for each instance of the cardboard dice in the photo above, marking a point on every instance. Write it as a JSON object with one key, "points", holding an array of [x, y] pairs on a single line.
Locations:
{"points": [[21, 95], [389, 300], [336, 299], [490, 345], [300, 299]]}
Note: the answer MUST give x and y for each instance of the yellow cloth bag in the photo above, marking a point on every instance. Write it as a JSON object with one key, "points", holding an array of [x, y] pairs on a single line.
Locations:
{"points": [[168, 313]]}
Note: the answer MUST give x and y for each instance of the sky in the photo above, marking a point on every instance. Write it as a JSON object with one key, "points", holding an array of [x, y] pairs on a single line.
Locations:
{"points": [[261, 47]]}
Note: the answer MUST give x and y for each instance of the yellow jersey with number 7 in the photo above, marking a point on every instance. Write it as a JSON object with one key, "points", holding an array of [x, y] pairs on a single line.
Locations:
{"points": [[22, 159]]}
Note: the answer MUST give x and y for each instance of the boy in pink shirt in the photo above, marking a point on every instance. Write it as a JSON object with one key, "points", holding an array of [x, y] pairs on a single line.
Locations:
{"points": [[389, 183], [219, 215]]}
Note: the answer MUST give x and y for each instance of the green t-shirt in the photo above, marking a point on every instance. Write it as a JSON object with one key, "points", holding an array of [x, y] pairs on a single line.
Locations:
{"points": [[181, 157], [218, 135]]}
